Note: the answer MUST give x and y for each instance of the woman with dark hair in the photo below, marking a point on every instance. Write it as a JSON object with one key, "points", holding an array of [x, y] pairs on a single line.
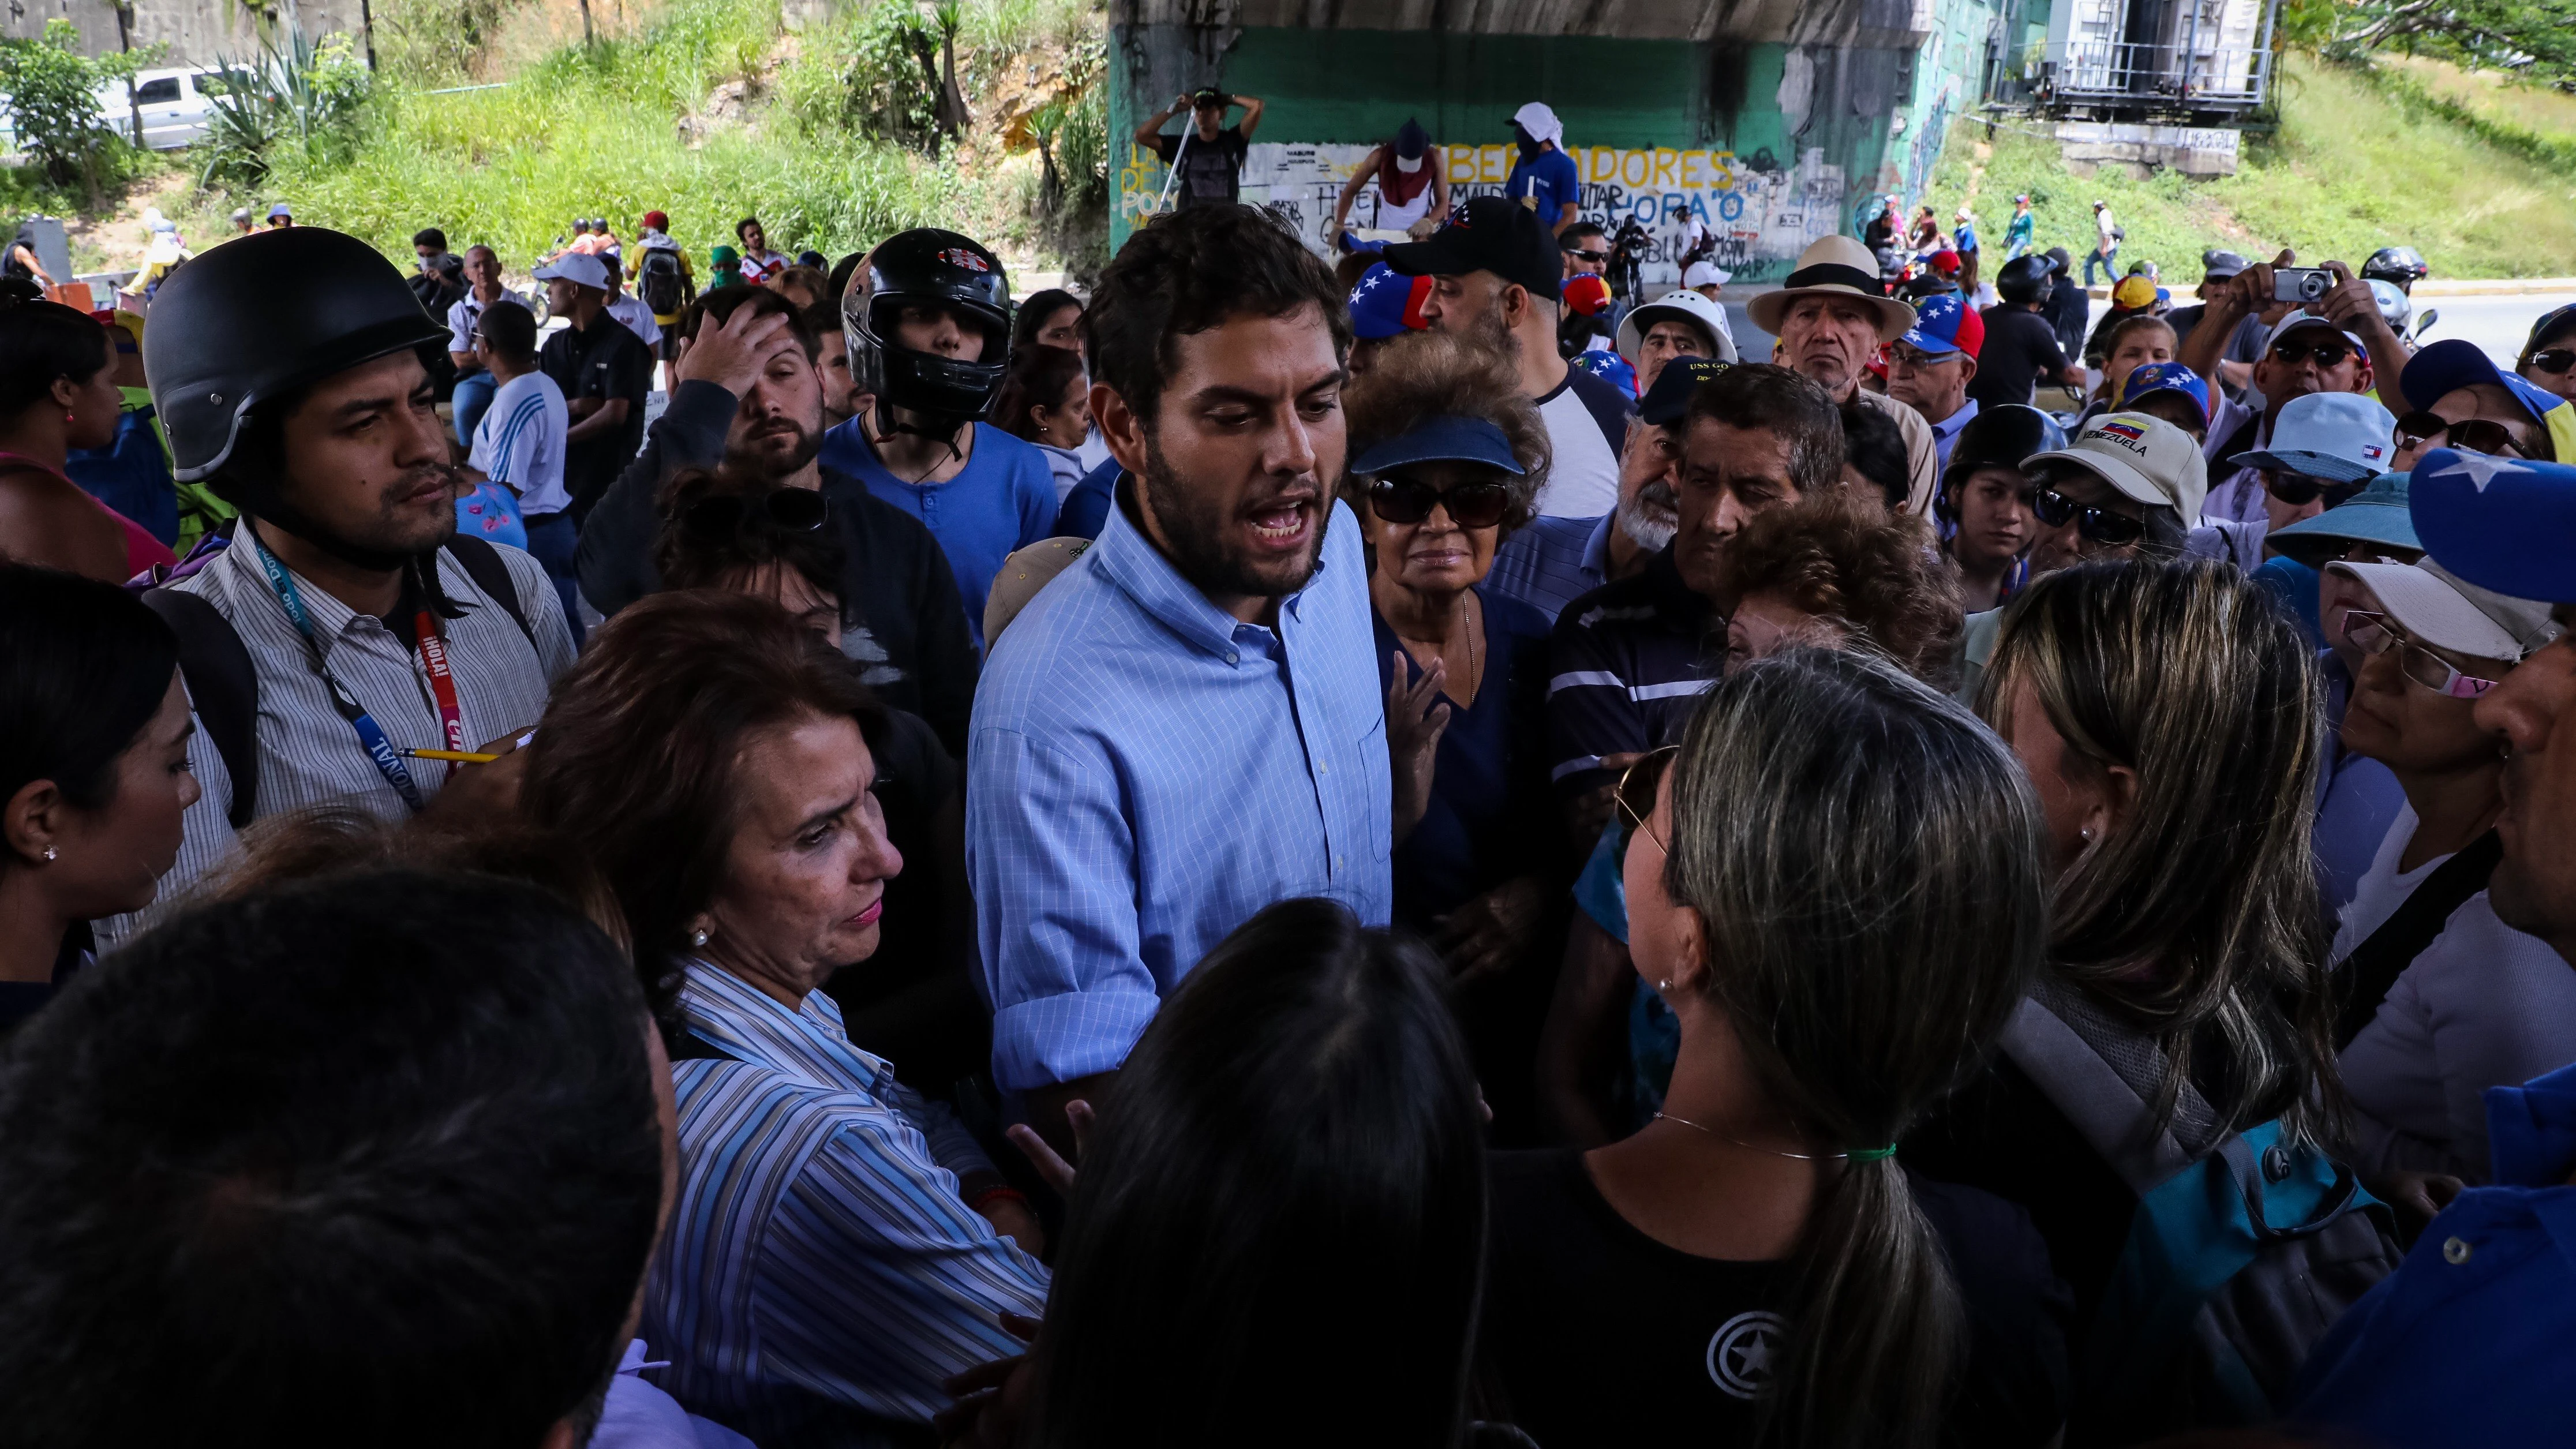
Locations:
{"points": [[1447, 460], [93, 771], [1046, 400], [2548, 357], [1836, 882], [2169, 717], [1279, 1227], [834, 1254], [58, 392], [916, 1003], [1052, 318], [1834, 571]]}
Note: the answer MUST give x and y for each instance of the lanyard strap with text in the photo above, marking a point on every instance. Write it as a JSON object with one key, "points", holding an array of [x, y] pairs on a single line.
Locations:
{"points": [[371, 736]]}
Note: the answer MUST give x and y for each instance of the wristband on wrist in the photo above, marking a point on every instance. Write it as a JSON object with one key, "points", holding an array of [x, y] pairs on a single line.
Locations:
{"points": [[990, 1194]]}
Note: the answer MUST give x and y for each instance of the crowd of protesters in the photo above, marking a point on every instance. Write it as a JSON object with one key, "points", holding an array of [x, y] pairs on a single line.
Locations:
{"points": [[1402, 857]]}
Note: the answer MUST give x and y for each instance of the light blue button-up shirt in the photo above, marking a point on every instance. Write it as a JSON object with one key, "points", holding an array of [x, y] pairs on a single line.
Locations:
{"points": [[1145, 773]]}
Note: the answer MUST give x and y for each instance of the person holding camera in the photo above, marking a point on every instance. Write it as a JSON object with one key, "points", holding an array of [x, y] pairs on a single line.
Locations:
{"points": [[2326, 336]]}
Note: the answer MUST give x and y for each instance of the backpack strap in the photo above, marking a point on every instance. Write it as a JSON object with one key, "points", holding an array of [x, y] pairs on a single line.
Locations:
{"points": [[2104, 1078], [2367, 975], [222, 686], [483, 564]]}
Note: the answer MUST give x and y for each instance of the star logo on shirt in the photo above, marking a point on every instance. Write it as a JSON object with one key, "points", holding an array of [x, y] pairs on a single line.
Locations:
{"points": [[1741, 1352], [2482, 468]]}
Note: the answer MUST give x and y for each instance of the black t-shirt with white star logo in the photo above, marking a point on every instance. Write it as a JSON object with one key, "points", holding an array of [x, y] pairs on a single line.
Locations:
{"points": [[1595, 1334]]}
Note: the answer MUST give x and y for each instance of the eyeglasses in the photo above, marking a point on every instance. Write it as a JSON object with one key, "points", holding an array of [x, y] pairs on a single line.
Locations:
{"points": [[2301, 489], [2327, 354], [2476, 435], [789, 510], [2555, 361], [1635, 797], [1590, 255], [2372, 634], [2100, 525], [1398, 499]]}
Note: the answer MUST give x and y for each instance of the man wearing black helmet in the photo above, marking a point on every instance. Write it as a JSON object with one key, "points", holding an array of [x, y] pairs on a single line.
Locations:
{"points": [[929, 329], [372, 629], [1985, 501], [2020, 347]]}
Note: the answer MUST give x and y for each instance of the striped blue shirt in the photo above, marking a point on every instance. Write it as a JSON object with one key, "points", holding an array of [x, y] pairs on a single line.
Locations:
{"points": [[820, 1275], [1145, 772], [1551, 562]]}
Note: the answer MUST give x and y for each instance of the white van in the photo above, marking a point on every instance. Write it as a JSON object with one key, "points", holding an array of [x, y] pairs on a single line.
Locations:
{"points": [[172, 104]]}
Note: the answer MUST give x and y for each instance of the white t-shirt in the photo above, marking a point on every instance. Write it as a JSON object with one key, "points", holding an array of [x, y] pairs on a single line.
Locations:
{"points": [[521, 442], [630, 309], [2483, 1006], [464, 313], [1583, 479]]}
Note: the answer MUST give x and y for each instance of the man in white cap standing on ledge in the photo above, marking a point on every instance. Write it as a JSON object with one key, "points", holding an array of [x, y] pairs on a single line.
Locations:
{"points": [[1831, 318], [1544, 179]]}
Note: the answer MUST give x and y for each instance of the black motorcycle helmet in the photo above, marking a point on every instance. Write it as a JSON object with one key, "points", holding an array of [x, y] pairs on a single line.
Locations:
{"points": [[927, 265], [220, 344], [2023, 280], [1997, 437], [2401, 267]]}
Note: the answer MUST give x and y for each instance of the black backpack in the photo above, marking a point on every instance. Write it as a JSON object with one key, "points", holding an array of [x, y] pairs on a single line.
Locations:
{"points": [[658, 281], [224, 687]]}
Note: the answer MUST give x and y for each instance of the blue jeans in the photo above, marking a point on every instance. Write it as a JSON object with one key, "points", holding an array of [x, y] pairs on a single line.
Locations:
{"points": [[554, 540], [472, 396], [2110, 261]]}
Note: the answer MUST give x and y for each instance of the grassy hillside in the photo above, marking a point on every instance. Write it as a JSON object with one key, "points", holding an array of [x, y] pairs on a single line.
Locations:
{"points": [[710, 110], [2354, 166]]}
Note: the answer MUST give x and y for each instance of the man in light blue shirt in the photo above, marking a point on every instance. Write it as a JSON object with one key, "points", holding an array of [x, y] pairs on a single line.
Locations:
{"points": [[1185, 726]]}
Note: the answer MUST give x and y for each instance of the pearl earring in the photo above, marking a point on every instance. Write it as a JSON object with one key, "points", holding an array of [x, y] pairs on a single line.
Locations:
{"points": [[49, 852], [1664, 985], [2085, 835], [698, 937]]}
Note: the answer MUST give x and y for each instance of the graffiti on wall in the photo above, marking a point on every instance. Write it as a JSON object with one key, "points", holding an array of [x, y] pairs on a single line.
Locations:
{"points": [[1757, 215]]}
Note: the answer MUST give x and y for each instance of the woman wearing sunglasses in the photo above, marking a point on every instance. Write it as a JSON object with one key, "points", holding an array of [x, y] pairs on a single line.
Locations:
{"points": [[1446, 458], [1837, 880], [2440, 1000], [2128, 486], [2548, 359]]}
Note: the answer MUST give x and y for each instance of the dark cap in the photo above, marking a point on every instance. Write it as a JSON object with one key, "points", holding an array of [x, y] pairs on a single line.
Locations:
{"points": [[1210, 96], [1488, 234], [1411, 140], [1666, 402], [1446, 437], [2218, 262]]}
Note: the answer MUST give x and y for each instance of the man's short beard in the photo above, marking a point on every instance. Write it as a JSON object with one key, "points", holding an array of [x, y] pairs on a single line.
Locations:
{"points": [[1195, 534], [1650, 519], [1490, 328], [753, 462]]}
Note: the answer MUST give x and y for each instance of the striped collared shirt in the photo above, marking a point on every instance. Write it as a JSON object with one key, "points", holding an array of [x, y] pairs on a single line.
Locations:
{"points": [[1146, 772], [1551, 562], [308, 754], [1628, 663], [820, 1275]]}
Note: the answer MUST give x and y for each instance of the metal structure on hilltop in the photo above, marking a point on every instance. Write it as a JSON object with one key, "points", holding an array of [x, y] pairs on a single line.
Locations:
{"points": [[2199, 62]]}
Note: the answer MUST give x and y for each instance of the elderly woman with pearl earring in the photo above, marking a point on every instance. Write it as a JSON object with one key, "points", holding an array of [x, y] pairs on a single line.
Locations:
{"points": [[840, 1245]]}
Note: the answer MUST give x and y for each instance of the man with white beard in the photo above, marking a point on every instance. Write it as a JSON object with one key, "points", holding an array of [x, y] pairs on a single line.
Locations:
{"points": [[1554, 561]]}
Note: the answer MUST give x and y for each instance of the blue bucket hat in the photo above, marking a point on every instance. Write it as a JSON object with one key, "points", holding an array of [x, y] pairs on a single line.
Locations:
{"points": [[2377, 516], [2339, 435], [2501, 523], [1444, 438]]}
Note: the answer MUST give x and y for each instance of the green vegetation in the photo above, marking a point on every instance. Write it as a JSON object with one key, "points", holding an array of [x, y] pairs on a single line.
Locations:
{"points": [[49, 94], [2355, 166]]}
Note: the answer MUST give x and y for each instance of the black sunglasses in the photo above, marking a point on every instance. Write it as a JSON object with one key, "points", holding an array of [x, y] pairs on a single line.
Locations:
{"points": [[2555, 361], [2476, 435], [1602, 256], [789, 510], [2301, 489], [2327, 354], [1398, 499], [2100, 525]]}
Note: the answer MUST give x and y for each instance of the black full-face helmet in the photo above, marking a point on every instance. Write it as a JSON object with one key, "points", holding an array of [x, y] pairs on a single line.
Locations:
{"points": [[930, 267]]}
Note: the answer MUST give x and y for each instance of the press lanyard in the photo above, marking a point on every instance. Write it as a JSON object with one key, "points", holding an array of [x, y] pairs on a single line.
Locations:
{"points": [[371, 736]]}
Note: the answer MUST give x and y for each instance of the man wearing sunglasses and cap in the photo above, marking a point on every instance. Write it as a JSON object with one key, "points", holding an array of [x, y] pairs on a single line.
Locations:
{"points": [[1412, 191], [1207, 153], [2303, 353], [2473, 1339], [1831, 318], [2548, 359], [2458, 397]]}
